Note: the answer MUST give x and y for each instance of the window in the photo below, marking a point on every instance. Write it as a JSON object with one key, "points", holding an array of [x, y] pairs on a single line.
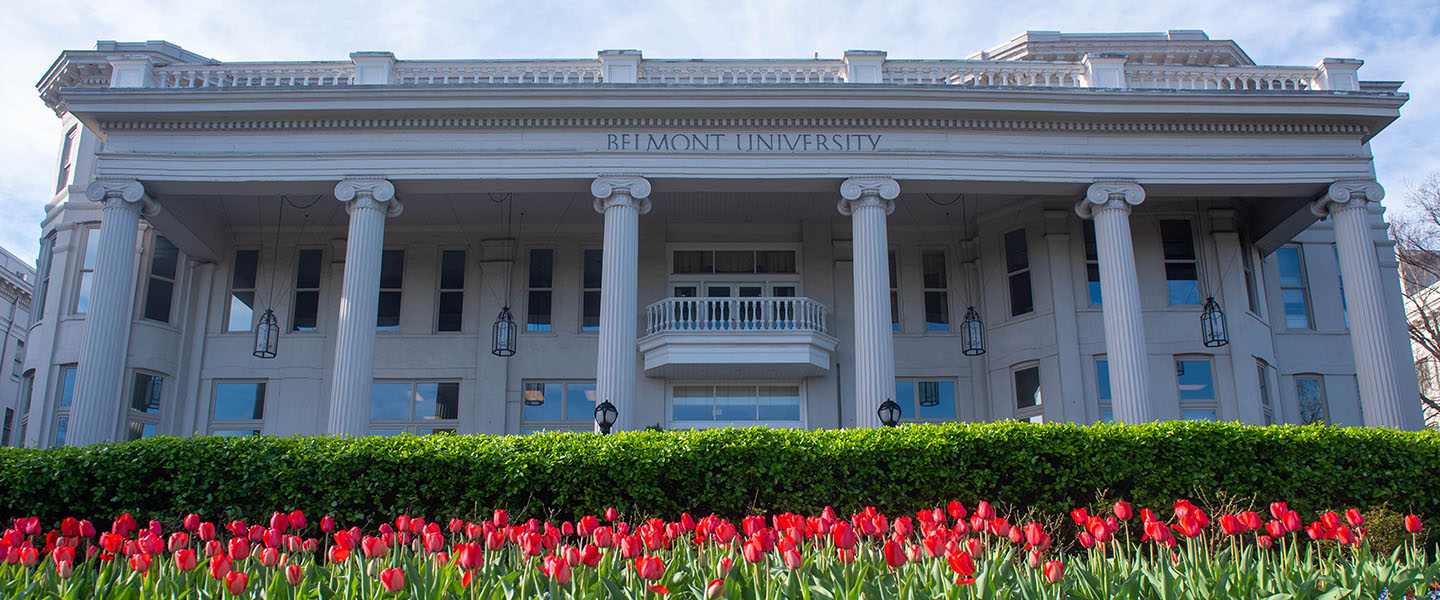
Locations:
{"points": [[450, 308], [937, 299], [1017, 271], [1310, 396], [27, 387], [1344, 306], [591, 271], [160, 288], [418, 407], [741, 273], [1247, 261], [392, 279], [1262, 371], [733, 262], [19, 358], [1292, 287], [239, 408], [65, 161], [62, 405], [538, 303], [558, 406], [1181, 275], [1092, 262], [925, 400], [5, 433], [1197, 390], [47, 255], [305, 314], [1424, 373], [242, 291], [88, 255], [1102, 390], [894, 293], [702, 406], [1027, 394], [144, 413]]}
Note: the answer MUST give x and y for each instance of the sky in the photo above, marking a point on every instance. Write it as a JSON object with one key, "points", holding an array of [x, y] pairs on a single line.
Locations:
{"points": [[1398, 39]]}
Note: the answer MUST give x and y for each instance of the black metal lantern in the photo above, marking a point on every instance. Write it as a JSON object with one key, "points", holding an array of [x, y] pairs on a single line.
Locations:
{"points": [[1212, 325], [929, 393], [605, 415], [267, 335], [889, 413], [502, 340], [972, 333]]}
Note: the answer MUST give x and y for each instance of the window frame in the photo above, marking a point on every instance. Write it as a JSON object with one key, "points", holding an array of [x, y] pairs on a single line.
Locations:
{"points": [[1011, 273], [1340, 277], [1324, 416], [231, 426], [18, 367], [67, 162], [61, 413], [151, 276], [22, 401], [135, 417], [1090, 245], [1251, 268], [586, 291], [1267, 397], [566, 422], [44, 265], [892, 265], [767, 281], [527, 326], [1303, 287], [926, 291], [87, 233], [398, 291], [1198, 404], [230, 289], [1193, 261], [1104, 402], [1034, 413], [672, 423], [915, 393], [297, 290], [414, 423], [441, 290]]}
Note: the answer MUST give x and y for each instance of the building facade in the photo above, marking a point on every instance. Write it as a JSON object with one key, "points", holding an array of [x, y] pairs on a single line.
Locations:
{"points": [[713, 242], [17, 283]]}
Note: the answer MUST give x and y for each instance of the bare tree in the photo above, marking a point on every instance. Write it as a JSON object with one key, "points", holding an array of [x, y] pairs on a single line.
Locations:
{"points": [[1417, 237]]}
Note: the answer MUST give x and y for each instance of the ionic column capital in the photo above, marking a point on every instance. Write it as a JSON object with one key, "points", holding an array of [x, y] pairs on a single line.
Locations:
{"points": [[621, 190], [857, 192], [1347, 193], [122, 193], [368, 192], [1120, 194]]}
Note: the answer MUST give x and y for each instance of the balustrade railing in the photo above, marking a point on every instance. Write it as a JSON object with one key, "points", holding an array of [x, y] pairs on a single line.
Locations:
{"points": [[311, 74], [1173, 77], [752, 72], [516, 72], [736, 314]]}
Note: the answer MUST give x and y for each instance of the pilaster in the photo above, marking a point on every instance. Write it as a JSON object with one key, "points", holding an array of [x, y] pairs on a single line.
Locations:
{"points": [[1070, 405]]}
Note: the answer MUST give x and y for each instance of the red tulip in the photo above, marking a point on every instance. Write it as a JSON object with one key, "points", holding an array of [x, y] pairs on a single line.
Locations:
{"points": [[269, 557], [392, 579], [327, 524], [1079, 516], [1275, 529], [630, 546], [239, 549], [1291, 519], [752, 552], [434, 542], [465, 579], [556, 568], [338, 554], [213, 548], [894, 554], [650, 567], [206, 531], [279, 520], [374, 547], [984, 510], [297, 519], [1412, 523], [1278, 510], [469, 556], [1265, 541], [1331, 520], [219, 566], [1251, 520], [185, 559], [1099, 529], [611, 514], [590, 556], [294, 574], [1033, 558], [956, 509], [843, 535], [63, 553], [87, 529], [1086, 540], [1033, 533], [64, 569], [1231, 525], [236, 581], [1122, 510], [725, 564], [715, 589], [962, 564], [140, 563], [792, 558], [1053, 571], [273, 538], [1354, 517]]}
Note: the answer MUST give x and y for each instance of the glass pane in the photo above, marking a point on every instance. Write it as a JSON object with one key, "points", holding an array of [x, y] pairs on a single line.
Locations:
{"points": [[1263, 376], [92, 249], [307, 270], [538, 318], [61, 425], [590, 317], [1312, 400], [1194, 379], [717, 291], [691, 262], [67, 385], [1102, 378], [243, 277], [82, 299], [693, 403], [1296, 313], [1027, 387], [307, 308], [452, 270], [241, 312], [425, 394], [783, 291], [751, 291], [779, 403], [447, 400], [1182, 291], [157, 300], [239, 401], [1020, 300], [932, 265], [390, 400], [685, 291], [580, 401], [550, 394], [145, 393], [542, 267], [894, 310], [734, 403], [905, 397], [944, 392], [593, 268], [1199, 414], [164, 258], [234, 432], [937, 311], [775, 261], [1291, 273], [1017, 256], [387, 317], [734, 261], [1177, 239], [449, 317], [894, 272], [392, 269], [1092, 275], [1088, 227]]}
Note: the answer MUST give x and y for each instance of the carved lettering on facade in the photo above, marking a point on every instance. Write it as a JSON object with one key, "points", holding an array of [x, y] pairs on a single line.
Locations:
{"points": [[743, 142]]}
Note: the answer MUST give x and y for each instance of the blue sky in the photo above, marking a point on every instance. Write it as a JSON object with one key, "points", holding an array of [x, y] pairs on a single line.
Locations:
{"points": [[1398, 39]]}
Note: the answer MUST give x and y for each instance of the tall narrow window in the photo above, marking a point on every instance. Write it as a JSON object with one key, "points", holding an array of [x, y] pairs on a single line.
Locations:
{"points": [[1310, 396], [925, 400], [449, 310], [144, 413], [27, 388], [1196, 381], [160, 288], [1181, 274], [238, 409], [894, 293], [937, 297], [88, 256], [1027, 394], [9, 422], [542, 276], [1262, 371], [1102, 390], [66, 150], [1017, 271], [1344, 306], [1092, 262], [305, 316], [62, 405], [1247, 261], [19, 365], [392, 280], [47, 255], [242, 291], [1293, 292], [590, 296]]}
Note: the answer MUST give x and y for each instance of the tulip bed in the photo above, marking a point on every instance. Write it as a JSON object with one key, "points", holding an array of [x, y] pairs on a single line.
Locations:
{"points": [[943, 552]]}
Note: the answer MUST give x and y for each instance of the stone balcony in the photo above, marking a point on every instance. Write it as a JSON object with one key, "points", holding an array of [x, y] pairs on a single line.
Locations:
{"points": [[720, 338]]}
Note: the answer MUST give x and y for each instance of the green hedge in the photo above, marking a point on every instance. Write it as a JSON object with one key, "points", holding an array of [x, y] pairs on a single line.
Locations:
{"points": [[732, 472]]}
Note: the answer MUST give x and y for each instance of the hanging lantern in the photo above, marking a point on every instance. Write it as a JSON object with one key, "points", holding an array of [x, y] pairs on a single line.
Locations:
{"points": [[1212, 325], [267, 335], [929, 393], [889, 413], [534, 394], [972, 334], [502, 341], [605, 415]]}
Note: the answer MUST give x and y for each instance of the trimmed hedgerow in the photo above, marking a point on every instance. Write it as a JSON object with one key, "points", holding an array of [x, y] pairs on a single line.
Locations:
{"points": [[732, 472]]}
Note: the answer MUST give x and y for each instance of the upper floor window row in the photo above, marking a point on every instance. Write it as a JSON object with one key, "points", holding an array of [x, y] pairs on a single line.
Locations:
{"points": [[733, 262]]}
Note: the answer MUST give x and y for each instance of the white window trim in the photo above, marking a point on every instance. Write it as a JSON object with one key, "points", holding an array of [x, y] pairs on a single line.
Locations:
{"points": [[1254, 277], [463, 290], [400, 312], [1103, 404], [913, 381], [671, 423], [1085, 276], [61, 411], [945, 255], [1267, 390], [524, 320], [1212, 403], [1028, 413], [132, 415], [1028, 270], [414, 424], [567, 424], [141, 303], [80, 255], [258, 425], [1195, 246], [769, 280], [1304, 288], [296, 289], [580, 323], [230, 289], [1325, 417]]}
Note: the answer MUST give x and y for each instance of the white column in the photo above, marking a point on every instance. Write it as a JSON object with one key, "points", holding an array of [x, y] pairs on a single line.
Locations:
{"points": [[95, 406], [622, 200], [867, 201], [1108, 203], [368, 201], [1375, 357]]}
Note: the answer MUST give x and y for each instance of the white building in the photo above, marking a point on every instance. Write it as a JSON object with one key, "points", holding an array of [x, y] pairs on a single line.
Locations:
{"points": [[747, 209], [17, 281]]}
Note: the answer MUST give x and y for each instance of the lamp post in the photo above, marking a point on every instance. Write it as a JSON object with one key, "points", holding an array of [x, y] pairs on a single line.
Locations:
{"points": [[889, 413], [605, 415]]}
